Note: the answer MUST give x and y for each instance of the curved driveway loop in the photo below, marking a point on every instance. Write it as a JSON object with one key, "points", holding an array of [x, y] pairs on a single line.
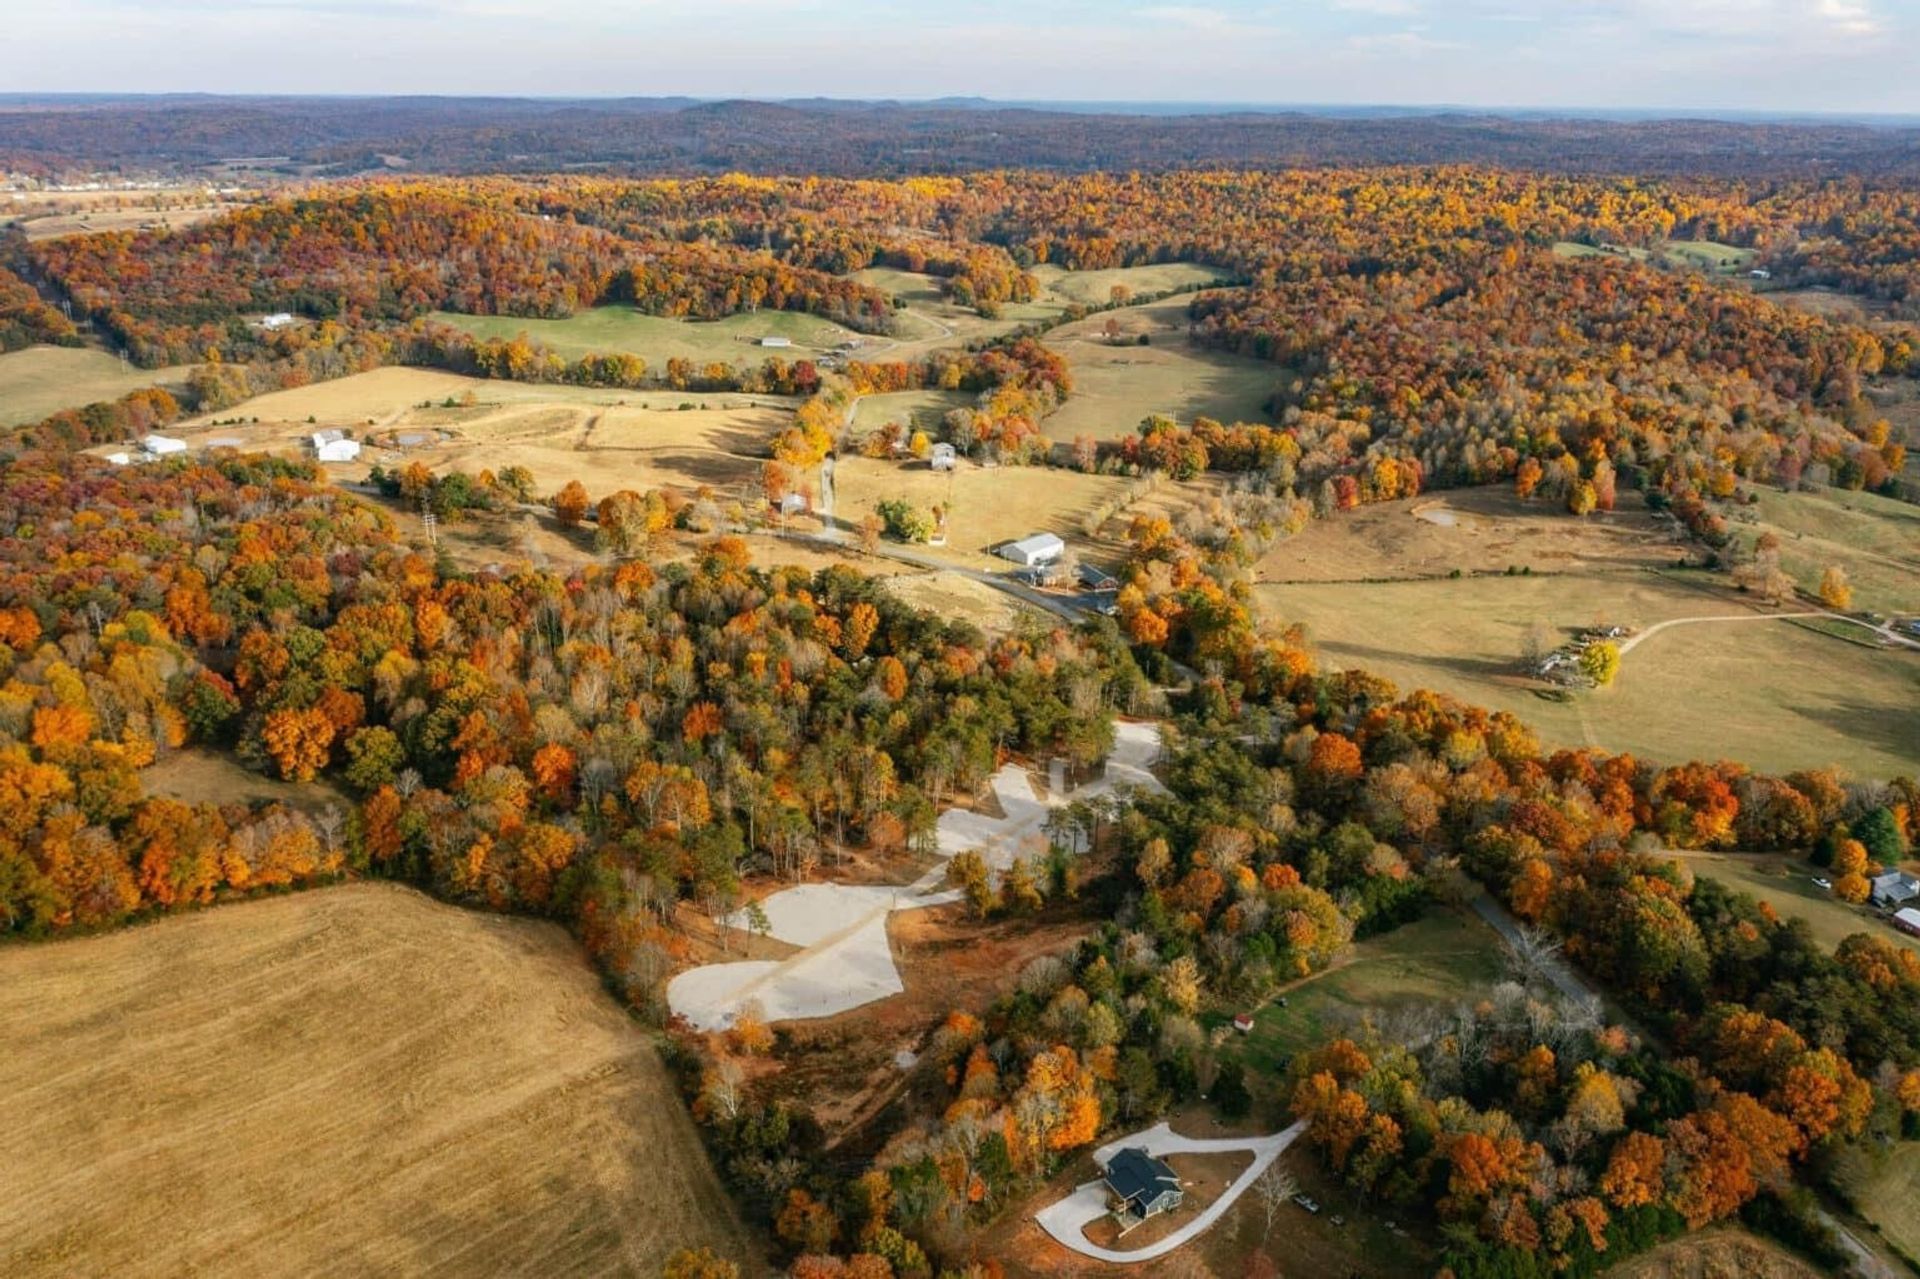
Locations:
{"points": [[1068, 1219]]}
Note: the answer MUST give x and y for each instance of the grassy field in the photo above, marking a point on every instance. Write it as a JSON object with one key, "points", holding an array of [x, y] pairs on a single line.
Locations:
{"points": [[1771, 693], [608, 440], [1788, 886], [1481, 530], [207, 777], [915, 410], [41, 380], [1114, 386], [658, 339], [1706, 255], [1095, 288], [1886, 1190], [1876, 539], [349, 1081], [1442, 958]]}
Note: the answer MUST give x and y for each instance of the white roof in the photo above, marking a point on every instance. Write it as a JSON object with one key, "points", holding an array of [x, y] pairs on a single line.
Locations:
{"points": [[1907, 915], [943, 450], [327, 436], [162, 444]]}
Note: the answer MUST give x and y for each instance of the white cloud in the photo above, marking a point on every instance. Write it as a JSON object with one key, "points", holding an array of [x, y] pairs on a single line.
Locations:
{"points": [[1385, 8], [1194, 17]]}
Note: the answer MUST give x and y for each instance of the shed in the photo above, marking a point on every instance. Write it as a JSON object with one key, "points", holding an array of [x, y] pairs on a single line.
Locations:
{"points": [[1040, 548], [942, 458], [278, 320], [1243, 1022], [1142, 1186], [1761, 273], [118, 459], [1907, 920], [338, 451], [776, 341], [329, 436], [161, 445]]}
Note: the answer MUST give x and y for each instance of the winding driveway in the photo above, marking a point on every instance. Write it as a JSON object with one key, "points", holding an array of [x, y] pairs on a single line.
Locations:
{"points": [[1886, 633], [1068, 1219]]}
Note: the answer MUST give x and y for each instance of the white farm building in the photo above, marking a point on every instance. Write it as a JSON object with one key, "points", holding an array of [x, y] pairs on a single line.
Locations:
{"points": [[1040, 548], [162, 445], [334, 446], [942, 458], [774, 341]]}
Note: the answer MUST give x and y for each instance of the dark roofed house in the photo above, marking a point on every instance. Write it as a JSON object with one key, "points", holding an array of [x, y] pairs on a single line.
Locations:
{"points": [[1141, 1185]]}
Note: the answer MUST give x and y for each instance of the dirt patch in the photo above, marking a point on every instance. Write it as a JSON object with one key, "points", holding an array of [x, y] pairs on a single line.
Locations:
{"points": [[205, 777], [349, 1081], [1717, 1254]]}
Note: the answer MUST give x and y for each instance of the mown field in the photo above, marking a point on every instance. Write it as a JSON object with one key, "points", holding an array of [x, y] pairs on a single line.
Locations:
{"points": [[1875, 539], [657, 339], [348, 1081], [41, 380], [1886, 1191], [1443, 958], [1771, 693], [1117, 383], [1476, 530]]}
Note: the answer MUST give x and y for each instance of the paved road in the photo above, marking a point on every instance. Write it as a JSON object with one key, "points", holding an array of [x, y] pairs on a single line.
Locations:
{"points": [[1558, 971], [1068, 1219]]}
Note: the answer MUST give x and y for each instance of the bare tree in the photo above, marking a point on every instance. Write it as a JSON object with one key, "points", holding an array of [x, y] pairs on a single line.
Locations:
{"points": [[1273, 1188], [1531, 955]]}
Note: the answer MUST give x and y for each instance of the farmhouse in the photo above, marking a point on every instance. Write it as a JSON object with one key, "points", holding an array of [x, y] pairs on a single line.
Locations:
{"points": [[1907, 920], [1894, 888], [1040, 548], [1141, 1185], [161, 445], [942, 458], [1097, 579]]}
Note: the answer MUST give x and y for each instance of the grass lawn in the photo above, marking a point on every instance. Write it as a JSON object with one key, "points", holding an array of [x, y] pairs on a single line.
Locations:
{"points": [[1787, 885], [1772, 694], [1886, 1190], [1875, 539], [1443, 957], [1704, 254], [41, 380], [915, 410], [658, 339], [1116, 385]]}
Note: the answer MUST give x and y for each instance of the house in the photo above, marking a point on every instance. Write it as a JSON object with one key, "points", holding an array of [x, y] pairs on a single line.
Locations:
{"points": [[1894, 888], [943, 457], [776, 341], [1041, 548], [161, 445], [278, 320], [1097, 579], [794, 504], [1141, 1185], [337, 451], [118, 459], [1907, 920], [1243, 1022]]}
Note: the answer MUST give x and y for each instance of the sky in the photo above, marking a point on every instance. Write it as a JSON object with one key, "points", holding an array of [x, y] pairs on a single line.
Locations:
{"points": [[1850, 56]]}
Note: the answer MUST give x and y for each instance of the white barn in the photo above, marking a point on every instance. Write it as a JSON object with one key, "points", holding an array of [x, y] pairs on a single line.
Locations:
{"points": [[774, 341], [334, 446], [1040, 548], [161, 445]]}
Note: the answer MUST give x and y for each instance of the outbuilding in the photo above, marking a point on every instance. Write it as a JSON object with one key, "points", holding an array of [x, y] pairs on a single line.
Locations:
{"points": [[1907, 920], [161, 445], [943, 457], [1895, 888], [1041, 548], [776, 341], [338, 451], [1141, 1185]]}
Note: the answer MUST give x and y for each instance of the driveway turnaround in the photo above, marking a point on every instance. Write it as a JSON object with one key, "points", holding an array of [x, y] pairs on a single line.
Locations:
{"points": [[1068, 1219], [845, 959]]}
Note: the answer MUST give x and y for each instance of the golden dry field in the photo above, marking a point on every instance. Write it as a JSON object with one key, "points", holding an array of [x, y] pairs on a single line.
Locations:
{"points": [[348, 1081]]}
